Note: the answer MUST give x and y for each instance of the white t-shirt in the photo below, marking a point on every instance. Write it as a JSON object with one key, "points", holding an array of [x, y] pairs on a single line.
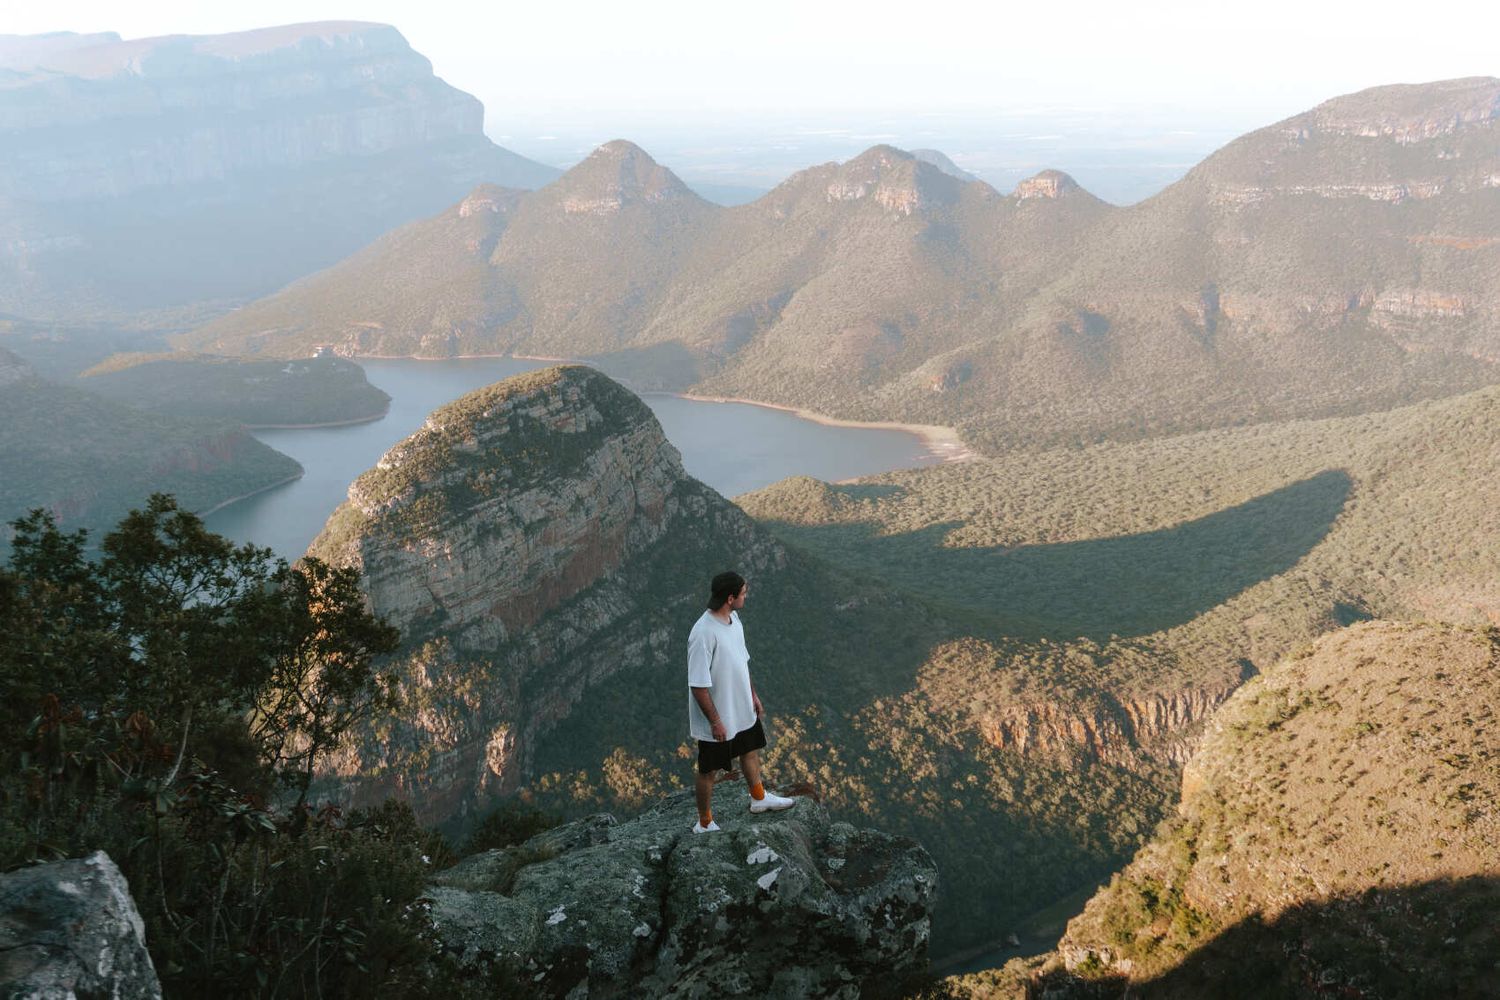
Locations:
{"points": [[719, 661]]}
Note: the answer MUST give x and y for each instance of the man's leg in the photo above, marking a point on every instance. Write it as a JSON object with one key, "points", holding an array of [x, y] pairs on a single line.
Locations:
{"points": [[704, 788], [760, 799], [750, 764]]}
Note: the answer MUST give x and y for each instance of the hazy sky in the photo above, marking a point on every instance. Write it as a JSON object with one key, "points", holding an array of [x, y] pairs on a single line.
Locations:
{"points": [[702, 58]]}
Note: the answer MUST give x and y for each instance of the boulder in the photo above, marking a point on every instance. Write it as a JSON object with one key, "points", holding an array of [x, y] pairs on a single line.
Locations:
{"points": [[70, 929], [789, 904]]}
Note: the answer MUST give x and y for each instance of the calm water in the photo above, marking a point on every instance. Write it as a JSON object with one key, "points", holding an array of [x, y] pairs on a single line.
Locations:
{"points": [[733, 447]]}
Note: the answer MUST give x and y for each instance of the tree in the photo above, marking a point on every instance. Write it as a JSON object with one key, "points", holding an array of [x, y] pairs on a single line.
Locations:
{"points": [[323, 679], [198, 614]]}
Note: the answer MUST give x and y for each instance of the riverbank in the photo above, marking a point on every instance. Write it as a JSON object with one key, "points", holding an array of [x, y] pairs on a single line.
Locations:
{"points": [[246, 496], [384, 412], [943, 442]]}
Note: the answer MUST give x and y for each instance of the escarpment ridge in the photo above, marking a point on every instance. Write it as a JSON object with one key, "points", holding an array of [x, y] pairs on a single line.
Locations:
{"points": [[164, 173]]}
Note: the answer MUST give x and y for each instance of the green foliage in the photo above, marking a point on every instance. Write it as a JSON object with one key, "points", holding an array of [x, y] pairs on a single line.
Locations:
{"points": [[154, 700], [510, 823], [251, 392]]}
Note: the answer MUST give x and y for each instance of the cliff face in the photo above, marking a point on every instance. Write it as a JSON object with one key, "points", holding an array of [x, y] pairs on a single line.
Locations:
{"points": [[338, 119], [518, 541], [1159, 725]]}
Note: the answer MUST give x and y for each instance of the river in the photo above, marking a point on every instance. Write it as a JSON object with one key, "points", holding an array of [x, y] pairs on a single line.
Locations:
{"points": [[733, 447]]}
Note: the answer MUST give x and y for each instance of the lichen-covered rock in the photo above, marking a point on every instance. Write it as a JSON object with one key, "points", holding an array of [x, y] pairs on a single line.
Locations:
{"points": [[71, 929], [788, 904]]}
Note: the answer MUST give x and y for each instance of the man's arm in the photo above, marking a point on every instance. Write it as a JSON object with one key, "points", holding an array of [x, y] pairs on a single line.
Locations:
{"points": [[700, 679], [706, 703]]}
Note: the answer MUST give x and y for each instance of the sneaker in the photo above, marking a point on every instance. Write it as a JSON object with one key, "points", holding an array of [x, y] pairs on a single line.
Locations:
{"points": [[712, 827], [771, 803]]}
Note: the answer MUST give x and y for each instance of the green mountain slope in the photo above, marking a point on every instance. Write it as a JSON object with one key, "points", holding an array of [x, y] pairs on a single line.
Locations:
{"points": [[1335, 835], [91, 460], [1107, 599], [256, 393], [1341, 261]]}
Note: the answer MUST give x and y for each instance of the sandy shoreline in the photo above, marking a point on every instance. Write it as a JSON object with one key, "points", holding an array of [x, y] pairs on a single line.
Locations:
{"points": [[246, 496], [943, 442]]}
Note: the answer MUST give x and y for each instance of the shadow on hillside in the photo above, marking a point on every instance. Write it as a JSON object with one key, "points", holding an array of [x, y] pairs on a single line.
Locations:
{"points": [[1129, 585], [1433, 939]]}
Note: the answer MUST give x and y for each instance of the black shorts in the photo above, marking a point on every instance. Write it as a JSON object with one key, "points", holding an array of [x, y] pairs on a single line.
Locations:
{"points": [[716, 756]]}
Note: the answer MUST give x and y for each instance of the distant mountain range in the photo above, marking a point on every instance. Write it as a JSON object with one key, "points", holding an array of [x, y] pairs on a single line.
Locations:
{"points": [[1344, 260], [155, 173]]}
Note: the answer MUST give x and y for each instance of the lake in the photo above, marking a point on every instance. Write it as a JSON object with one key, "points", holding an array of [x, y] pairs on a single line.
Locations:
{"points": [[733, 447]]}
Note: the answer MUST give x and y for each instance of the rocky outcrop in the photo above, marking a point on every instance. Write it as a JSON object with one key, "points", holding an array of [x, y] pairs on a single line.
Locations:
{"points": [[897, 181], [788, 904], [515, 541], [128, 167], [71, 929], [1159, 725], [1047, 184]]}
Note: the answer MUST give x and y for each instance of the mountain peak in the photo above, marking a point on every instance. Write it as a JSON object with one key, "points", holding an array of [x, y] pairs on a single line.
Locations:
{"points": [[617, 174], [894, 179], [1046, 184]]}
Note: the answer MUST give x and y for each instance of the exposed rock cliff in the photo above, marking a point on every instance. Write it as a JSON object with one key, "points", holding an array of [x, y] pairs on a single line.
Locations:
{"points": [[295, 145], [787, 905], [517, 540], [1047, 184], [1159, 724]]}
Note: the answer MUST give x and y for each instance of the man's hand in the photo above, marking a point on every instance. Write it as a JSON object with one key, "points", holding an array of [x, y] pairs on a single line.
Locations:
{"points": [[758, 710], [720, 734]]}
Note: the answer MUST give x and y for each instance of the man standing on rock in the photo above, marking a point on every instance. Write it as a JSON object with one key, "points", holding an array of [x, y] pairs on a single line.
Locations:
{"points": [[724, 713]]}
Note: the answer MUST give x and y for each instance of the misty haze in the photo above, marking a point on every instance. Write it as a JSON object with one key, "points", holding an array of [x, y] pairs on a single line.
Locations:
{"points": [[1097, 412]]}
